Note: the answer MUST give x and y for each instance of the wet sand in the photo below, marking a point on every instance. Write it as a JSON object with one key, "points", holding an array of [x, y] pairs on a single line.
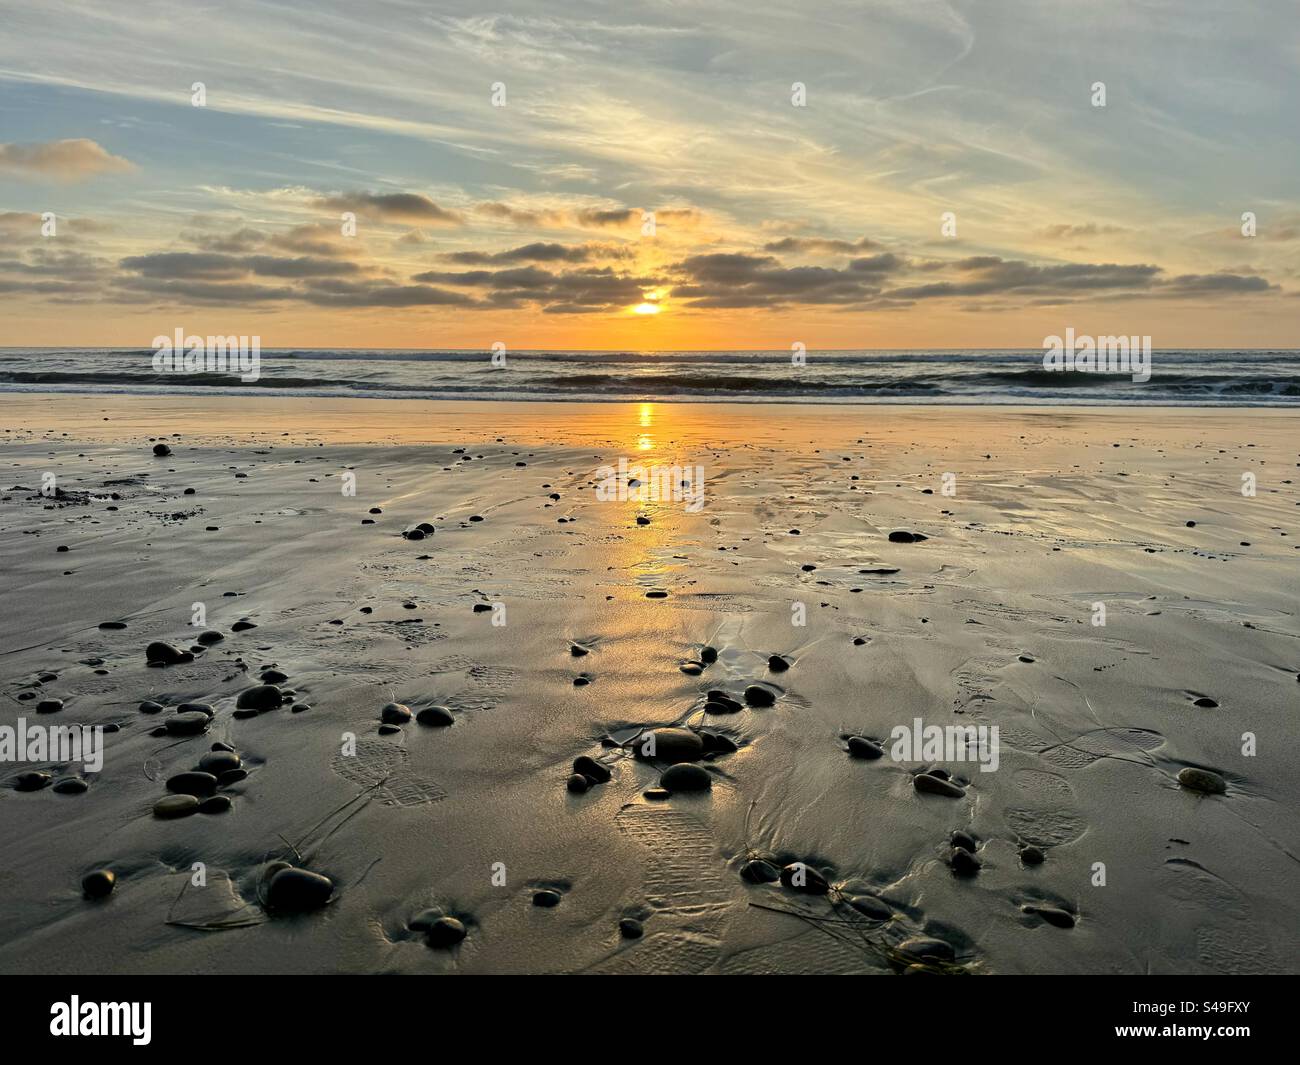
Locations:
{"points": [[987, 621]]}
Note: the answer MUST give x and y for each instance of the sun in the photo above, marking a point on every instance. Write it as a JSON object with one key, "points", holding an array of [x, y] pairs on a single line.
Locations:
{"points": [[646, 308]]}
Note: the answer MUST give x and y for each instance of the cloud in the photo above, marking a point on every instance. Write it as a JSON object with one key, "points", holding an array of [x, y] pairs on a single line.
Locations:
{"points": [[409, 207], [820, 245], [540, 253], [65, 161]]}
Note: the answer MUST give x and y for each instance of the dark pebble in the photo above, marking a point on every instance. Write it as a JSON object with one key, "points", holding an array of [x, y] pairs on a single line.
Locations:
{"points": [[757, 695], [190, 724], [216, 804], [49, 706], [686, 777], [395, 714], [445, 932], [31, 781], [577, 784], [99, 884], [589, 767], [170, 807], [70, 786], [631, 928], [799, 876], [219, 762], [932, 785], [165, 654], [199, 784], [757, 871], [546, 898], [861, 747], [777, 664], [262, 697], [294, 890], [435, 717]]}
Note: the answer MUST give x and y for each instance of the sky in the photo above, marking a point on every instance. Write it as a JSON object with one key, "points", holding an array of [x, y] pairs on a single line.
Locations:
{"points": [[659, 175]]}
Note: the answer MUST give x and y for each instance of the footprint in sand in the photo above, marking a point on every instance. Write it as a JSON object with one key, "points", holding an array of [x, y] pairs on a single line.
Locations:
{"points": [[381, 760], [1226, 939], [684, 888]]}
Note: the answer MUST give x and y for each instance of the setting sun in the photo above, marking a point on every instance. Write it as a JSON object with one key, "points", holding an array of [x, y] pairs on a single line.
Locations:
{"points": [[646, 308]]}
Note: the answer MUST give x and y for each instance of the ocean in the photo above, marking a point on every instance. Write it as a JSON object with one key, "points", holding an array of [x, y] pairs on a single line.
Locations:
{"points": [[1190, 377]]}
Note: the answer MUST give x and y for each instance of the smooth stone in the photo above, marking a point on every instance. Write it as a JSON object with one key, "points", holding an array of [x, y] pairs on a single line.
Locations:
{"points": [[240, 715], [273, 676], [1202, 780], [112, 626], [577, 784], [294, 890], [172, 806], [723, 706], [657, 594], [71, 786], [216, 804], [799, 876], [161, 450], [861, 747], [210, 636], [232, 776], [670, 745], [692, 669], [161, 730], [150, 707], [426, 528], [714, 743], [166, 654], [1053, 915], [577, 650], [927, 949], [99, 884], [965, 841], [631, 928], [709, 654], [262, 697], [777, 664], [872, 907], [49, 706], [757, 695], [435, 717], [1031, 855], [389, 730], [219, 762], [242, 625], [33, 781], [546, 898], [758, 871], [395, 714], [686, 777], [414, 534], [199, 784], [923, 782], [902, 536], [445, 932], [589, 767], [963, 862], [190, 724], [1205, 702]]}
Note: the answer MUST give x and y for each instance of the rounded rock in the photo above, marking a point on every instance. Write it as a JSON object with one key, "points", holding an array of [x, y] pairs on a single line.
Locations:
{"points": [[685, 777], [198, 784], [262, 697], [435, 717], [445, 932], [294, 890], [99, 884], [171, 807], [1204, 781], [395, 714]]}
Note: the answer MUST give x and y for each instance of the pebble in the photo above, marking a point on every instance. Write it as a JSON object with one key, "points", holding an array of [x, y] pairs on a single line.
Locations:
{"points": [[189, 724], [1053, 915], [758, 871], [669, 745], [872, 907], [577, 784], [546, 898], [435, 717], [1203, 780], [577, 650], [112, 626], [631, 928], [685, 777], [656, 594], [598, 772], [964, 840], [1031, 855], [273, 676], [199, 784], [294, 890], [151, 707], [716, 743], [722, 704], [902, 536], [161, 450], [445, 932], [99, 884], [242, 625], [963, 862], [71, 786], [33, 781], [389, 730], [49, 706], [262, 697], [210, 636], [1204, 701], [165, 654], [232, 776], [216, 804], [757, 695], [861, 747], [218, 762], [932, 785], [709, 654], [777, 664], [395, 714], [799, 876], [173, 806]]}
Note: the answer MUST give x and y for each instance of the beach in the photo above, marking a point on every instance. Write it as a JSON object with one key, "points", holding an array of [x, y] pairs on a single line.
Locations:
{"points": [[1113, 589]]}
